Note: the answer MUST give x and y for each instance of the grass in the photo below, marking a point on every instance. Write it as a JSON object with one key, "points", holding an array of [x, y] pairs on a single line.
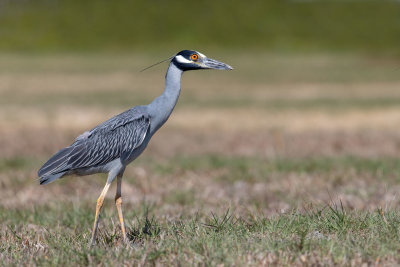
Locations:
{"points": [[317, 235], [363, 26], [299, 168], [259, 169], [188, 227]]}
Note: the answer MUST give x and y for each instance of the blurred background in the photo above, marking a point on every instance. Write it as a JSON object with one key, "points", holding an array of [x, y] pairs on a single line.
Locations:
{"points": [[310, 112], [370, 27]]}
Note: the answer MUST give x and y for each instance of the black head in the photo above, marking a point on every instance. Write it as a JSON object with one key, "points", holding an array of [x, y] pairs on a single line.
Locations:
{"points": [[193, 60]]}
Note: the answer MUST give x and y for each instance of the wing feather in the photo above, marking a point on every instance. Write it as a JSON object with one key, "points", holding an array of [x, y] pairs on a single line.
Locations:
{"points": [[118, 136]]}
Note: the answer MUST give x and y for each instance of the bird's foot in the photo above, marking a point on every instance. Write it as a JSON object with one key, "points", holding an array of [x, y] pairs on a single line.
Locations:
{"points": [[92, 243], [130, 243]]}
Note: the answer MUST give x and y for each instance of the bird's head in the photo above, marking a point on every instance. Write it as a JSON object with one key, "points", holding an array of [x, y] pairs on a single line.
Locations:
{"points": [[193, 60]]}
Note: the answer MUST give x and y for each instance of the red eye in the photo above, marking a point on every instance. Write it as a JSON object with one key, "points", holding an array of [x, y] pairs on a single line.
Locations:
{"points": [[194, 57]]}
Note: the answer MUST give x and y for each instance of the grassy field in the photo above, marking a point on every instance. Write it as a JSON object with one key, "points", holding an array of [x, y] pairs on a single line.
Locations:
{"points": [[368, 26], [288, 160]]}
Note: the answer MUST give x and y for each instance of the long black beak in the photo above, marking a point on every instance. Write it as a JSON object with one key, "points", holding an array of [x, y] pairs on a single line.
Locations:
{"points": [[214, 64]]}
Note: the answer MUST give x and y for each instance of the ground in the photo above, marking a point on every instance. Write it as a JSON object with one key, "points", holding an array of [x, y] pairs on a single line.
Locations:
{"points": [[287, 160]]}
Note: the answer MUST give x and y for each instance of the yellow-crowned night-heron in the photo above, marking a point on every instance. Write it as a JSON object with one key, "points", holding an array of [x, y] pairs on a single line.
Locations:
{"points": [[112, 145]]}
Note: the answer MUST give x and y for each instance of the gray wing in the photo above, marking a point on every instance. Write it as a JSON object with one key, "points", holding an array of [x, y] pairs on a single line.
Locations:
{"points": [[116, 138]]}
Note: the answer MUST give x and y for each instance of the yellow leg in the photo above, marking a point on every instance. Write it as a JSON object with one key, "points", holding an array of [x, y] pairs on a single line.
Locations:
{"points": [[118, 203], [100, 201]]}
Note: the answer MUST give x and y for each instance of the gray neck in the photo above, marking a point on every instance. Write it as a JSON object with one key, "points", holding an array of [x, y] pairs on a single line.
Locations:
{"points": [[162, 106]]}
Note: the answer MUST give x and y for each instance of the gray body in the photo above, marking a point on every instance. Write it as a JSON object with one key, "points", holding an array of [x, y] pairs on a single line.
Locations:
{"points": [[112, 145]]}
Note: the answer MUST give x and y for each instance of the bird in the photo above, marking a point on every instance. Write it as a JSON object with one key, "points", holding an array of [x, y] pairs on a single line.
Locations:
{"points": [[113, 144]]}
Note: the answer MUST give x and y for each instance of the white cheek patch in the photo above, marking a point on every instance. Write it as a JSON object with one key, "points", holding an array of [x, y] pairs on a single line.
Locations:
{"points": [[181, 59], [203, 56]]}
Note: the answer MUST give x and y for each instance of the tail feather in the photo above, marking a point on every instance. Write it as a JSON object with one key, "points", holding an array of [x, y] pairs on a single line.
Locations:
{"points": [[55, 167], [50, 178]]}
